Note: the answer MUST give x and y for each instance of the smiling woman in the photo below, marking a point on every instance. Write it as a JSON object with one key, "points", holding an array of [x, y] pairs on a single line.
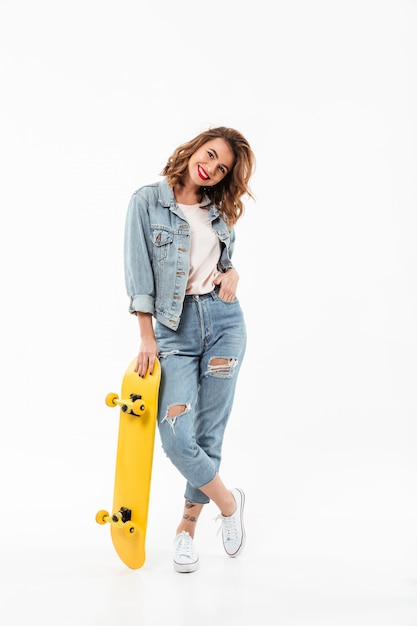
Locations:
{"points": [[323, 430], [209, 159], [179, 241]]}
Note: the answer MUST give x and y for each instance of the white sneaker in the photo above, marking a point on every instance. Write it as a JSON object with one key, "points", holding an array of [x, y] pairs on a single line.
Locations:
{"points": [[233, 531], [185, 556]]}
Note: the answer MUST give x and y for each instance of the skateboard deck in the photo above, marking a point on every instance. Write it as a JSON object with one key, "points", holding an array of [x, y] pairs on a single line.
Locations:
{"points": [[135, 446]]}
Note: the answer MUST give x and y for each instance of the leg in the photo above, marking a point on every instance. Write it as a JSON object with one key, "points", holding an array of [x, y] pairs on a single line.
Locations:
{"points": [[176, 421], [219, 370], [220, 495], [200, 364]]}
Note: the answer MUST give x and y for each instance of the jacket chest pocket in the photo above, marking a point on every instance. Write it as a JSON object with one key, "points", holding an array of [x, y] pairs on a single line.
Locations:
{"points": [[162, 240]]}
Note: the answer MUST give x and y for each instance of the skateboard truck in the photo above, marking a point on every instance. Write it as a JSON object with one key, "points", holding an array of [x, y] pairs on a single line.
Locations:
{"points": [[133, 405], [121, 519], [124, 514]]}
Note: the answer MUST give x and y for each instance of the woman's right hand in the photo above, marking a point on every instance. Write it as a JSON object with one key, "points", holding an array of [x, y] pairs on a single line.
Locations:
{"points": [[148, 352]]}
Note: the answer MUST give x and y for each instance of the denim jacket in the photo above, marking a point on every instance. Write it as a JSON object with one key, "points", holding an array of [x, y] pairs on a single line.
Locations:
{"points": [[157, 252]]}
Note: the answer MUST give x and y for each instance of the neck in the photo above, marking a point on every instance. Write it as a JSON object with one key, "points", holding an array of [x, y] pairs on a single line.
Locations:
{"points": [[188, 195]]}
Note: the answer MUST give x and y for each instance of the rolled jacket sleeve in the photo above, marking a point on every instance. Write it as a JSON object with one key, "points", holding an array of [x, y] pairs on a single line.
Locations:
{"points": [[139, 277]]}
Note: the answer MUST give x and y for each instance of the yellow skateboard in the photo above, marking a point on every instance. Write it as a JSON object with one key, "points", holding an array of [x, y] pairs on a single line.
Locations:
{"points": [[135, 447]]}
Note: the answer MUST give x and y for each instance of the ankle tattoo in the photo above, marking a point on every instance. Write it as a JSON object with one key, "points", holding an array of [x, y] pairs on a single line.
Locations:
{"points": [[189, 505]]}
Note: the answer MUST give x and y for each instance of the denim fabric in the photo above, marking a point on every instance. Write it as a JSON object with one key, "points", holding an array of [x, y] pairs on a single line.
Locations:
{"points": [[210, 328], [157, 252]]}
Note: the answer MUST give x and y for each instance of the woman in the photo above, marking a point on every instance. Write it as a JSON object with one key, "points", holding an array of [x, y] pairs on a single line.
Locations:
{"points": [[182, 285]]}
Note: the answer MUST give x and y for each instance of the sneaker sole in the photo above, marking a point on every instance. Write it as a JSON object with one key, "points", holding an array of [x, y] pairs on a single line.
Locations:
{"points": [[187, 568]]}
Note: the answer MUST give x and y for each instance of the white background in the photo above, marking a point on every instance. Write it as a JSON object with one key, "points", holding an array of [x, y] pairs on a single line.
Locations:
{"points": [[95, 95]]}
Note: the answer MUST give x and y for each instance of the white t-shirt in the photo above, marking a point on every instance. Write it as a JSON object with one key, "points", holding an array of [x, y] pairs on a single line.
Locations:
{"points": [[205, 250]]}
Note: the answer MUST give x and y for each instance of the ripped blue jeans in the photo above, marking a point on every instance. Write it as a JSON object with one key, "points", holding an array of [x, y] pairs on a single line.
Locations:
{"points": [[200, 363]]}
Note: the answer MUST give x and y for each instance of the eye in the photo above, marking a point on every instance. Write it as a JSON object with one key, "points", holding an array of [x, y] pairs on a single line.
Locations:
{"points": [[211, 155], [221, 168]]}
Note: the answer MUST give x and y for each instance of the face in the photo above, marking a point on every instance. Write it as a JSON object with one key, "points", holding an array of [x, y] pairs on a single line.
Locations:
{"points": [[211, 163]]}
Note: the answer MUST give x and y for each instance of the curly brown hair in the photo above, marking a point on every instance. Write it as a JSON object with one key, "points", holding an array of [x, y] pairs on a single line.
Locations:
{"points": [[227, 194]]}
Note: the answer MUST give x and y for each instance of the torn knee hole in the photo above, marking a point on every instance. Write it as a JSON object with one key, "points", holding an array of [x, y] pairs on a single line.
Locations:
{"points": [[176, 410], [215, 362], [219, 366]]}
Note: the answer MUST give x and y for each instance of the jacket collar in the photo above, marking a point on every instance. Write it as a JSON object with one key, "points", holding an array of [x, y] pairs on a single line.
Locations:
{"points": [[167, 198]]}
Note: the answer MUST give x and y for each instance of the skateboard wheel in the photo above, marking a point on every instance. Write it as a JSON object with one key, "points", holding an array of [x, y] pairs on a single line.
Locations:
{"points": [[130, 528], [138, 407], [100, 517], [110, 399]]}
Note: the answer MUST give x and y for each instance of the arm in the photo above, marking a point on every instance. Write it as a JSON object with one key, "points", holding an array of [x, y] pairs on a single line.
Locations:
{"points": [[148, 349], [140, 280], [228, 278]]}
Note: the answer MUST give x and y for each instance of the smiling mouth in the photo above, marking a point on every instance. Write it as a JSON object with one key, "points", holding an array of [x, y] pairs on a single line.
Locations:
{"points": [[202, 173]]}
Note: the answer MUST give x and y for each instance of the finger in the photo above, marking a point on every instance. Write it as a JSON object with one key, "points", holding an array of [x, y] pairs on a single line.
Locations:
{"points": [[141, 366], [144, 367]]}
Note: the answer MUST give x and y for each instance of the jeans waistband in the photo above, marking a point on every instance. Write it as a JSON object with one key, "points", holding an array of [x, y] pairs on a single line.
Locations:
{"points": [[201, 296]]}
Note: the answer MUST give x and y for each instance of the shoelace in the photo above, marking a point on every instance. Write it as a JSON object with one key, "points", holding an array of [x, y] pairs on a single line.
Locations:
{"points": [[228, 526], [184, 546]]}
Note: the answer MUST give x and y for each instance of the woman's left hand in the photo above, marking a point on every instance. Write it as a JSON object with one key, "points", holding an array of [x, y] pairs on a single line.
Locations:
{"points": [[228, 284]]}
